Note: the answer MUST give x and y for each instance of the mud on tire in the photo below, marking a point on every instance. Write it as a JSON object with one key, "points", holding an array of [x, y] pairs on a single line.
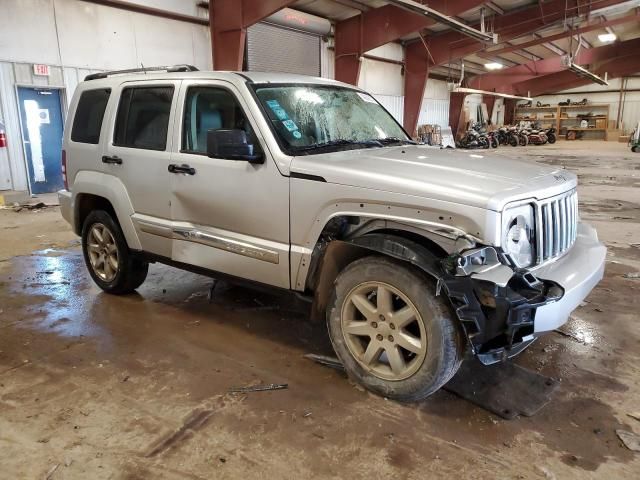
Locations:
{"points": [[427, 369]]}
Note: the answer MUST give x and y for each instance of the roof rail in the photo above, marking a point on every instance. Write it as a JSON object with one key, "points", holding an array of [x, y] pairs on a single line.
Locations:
{"points": [[172, 68]]}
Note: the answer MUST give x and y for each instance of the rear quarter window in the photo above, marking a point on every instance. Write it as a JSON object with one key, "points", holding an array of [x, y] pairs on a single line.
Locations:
{"points": [[89, 115]]}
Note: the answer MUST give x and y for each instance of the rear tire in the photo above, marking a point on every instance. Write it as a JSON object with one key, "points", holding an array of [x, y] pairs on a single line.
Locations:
{"points": [[551, 138], [513, 140], [524, 140], [392, 333], [111, 264]]}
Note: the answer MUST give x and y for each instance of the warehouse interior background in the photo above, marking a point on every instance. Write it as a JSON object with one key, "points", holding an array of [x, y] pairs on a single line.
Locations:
{"points": [[69, 39]]}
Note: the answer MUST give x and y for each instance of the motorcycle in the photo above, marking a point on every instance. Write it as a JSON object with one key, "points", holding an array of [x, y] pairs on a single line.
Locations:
{"points": [[536, 137], [493, 139], [474, 138], [514, 138], [551, 135]]}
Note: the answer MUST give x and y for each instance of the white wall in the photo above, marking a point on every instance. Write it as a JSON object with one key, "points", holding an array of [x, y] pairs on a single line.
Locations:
{"points": [[384, 80], [631, 100], [435, 104], [76, 38]]}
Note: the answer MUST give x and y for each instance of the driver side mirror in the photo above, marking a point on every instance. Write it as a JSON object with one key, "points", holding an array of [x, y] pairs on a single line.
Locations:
{"points": [[231, 144]]}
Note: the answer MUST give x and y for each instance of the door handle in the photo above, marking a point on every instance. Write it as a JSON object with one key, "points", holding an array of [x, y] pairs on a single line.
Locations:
{"points": [[184, 168], [115, 160]]}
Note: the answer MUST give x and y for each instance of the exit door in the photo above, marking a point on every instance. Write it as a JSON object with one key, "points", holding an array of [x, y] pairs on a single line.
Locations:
{"points": [[41, 122]]}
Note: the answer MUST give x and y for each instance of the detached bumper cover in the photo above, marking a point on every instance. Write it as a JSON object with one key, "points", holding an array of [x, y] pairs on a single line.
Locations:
{"points": [[501, 318]]}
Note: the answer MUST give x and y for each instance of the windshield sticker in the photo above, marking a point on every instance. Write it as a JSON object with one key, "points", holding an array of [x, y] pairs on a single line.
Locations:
{"points": [[367, 98], [290, 125], [280, 113], [297, 134], [277, 110]]}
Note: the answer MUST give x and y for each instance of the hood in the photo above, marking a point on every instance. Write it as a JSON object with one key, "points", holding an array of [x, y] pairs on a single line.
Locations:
{"points": [[472, 177]]}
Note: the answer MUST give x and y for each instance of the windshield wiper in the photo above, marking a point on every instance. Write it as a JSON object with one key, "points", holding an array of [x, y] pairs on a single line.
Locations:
{"points": [[390, 140], [339, 143]]}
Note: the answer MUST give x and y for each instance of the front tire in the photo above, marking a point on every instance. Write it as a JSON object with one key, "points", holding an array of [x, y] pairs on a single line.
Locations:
{"points": [[391, 332], [111, 264]]}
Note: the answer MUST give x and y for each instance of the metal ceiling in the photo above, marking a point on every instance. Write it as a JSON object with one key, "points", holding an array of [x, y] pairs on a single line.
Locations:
{"points": [[338, 10]]}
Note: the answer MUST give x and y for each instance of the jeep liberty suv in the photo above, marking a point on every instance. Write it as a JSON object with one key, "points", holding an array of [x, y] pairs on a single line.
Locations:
{"points": [[413, 255]]}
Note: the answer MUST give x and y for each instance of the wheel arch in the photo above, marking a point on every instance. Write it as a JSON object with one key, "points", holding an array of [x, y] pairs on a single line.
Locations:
{"points": [[404, 246], [95, 190]]}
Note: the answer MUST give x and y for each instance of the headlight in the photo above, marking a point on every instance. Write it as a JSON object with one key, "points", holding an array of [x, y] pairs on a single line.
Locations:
{"points": [[518, 241]]}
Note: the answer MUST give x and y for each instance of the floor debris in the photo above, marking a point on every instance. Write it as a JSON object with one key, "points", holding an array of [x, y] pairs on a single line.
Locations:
{"points": [[51, 471], [193, 422], [330, 362], [632, 275], [630, 440], [634, 415], [259, 388]]}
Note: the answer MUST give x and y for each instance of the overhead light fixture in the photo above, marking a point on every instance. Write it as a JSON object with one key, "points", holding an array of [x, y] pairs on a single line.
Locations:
{"points": [[485, 92], [493, 66], [451, 22], [583, 72], [607, 37]]}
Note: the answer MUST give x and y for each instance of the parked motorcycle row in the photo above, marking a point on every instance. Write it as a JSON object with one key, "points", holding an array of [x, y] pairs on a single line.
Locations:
{"points": [[478, 137]]}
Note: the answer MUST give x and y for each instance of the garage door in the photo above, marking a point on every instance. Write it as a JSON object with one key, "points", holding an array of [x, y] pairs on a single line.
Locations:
{"points": [[275, 49]]}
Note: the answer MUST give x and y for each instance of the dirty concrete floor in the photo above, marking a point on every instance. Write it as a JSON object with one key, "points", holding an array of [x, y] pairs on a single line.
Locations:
{"points": [[102, 387]]}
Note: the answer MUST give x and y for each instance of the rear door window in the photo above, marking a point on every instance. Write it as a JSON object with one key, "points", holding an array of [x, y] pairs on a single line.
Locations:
{"points": [[89, 115], [143, 117]]}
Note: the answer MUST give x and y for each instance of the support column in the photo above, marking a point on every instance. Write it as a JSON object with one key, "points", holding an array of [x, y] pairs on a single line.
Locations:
{"points": [[227, 34], [489, 101], [416, 72], [228, 23], [348, 43], [456, 102], [509, 110]]}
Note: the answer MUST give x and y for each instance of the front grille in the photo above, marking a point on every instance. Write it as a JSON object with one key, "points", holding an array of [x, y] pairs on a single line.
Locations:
{"points": [[557, 225]]}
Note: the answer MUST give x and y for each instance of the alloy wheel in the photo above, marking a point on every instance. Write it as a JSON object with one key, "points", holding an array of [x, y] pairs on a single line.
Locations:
{"points": [[103, 252], [383, 331]]}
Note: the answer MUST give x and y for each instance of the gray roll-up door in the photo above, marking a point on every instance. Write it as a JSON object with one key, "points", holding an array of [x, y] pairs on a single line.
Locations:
{"points": [[276, 49]]}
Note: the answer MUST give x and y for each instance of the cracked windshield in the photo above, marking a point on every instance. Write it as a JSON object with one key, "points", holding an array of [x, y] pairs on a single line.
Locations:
{"points": [[313, 119]]}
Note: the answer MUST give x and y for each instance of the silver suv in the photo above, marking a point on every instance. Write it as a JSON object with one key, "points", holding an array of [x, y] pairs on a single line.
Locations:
{"points": [[413, 255]]}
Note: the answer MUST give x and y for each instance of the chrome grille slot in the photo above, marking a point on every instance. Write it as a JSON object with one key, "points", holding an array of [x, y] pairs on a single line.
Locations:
{"points": [[558, 226]]}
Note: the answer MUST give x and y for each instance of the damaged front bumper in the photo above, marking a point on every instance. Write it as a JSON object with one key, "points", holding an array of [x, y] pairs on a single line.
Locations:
{"points": [[502, 310]]}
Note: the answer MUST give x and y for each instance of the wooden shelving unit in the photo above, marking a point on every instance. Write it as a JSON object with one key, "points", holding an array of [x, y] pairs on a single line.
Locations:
{"points": [[566, 116]]}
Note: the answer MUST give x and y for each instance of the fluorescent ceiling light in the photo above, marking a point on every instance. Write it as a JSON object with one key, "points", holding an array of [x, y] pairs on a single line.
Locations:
{"points": [[493, 66], [451, 22], [607, 37]]}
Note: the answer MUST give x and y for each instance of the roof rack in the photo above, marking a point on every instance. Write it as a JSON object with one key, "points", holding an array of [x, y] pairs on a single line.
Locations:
{"points": [[172, 68]]}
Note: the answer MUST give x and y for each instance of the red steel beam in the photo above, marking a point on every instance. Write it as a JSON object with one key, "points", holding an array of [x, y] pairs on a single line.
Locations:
{"points": [[416, 72], [503, 79], [453, 46], [635, 17], [376, 27], [229, 20], [622, 66]]}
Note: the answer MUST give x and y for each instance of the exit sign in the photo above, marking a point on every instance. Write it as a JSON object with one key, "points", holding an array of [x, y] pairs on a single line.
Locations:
{"points": [[41, 70]]}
